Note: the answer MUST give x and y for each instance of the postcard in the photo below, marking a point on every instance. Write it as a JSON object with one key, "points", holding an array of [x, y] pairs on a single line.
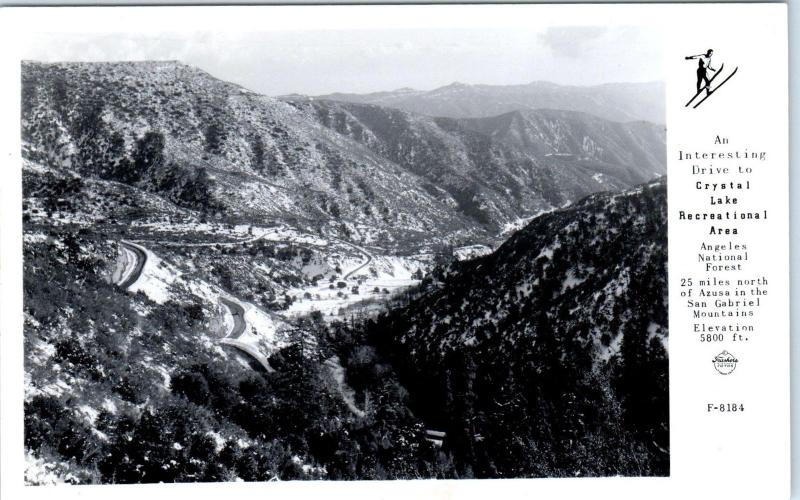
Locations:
{"points": [[395, 251]]}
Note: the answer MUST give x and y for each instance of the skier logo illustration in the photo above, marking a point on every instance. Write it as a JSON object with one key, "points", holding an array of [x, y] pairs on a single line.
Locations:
{"points": [[703, 81], [704, 65]]}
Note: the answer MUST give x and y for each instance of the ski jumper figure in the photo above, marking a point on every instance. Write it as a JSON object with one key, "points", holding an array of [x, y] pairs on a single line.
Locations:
{"points": [[703, 65]]}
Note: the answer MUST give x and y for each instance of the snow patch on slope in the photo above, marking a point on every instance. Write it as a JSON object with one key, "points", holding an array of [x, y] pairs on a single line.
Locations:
{"points": [[156, 279]]}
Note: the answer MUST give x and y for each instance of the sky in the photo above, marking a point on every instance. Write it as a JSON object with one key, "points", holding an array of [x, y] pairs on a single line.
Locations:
{"points": [[318, 62]]}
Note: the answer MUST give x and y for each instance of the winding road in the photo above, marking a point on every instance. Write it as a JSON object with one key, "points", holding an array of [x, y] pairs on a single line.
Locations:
{"points": [[237, 311], [364, 252], [222, 244], [138, 257], [232, 339], [249, 351]]}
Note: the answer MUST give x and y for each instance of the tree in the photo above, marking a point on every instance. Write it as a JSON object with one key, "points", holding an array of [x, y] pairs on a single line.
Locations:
{"points": [[193, 385], [215, 136], [296, 386], [258, 153], [635, 375], [148, 155], [118, 165]]}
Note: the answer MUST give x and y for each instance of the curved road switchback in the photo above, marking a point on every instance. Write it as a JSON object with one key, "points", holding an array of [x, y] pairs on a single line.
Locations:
{"points": [[232, 339], [237, 311], [139, 259], [362, 251], [248, 350]]}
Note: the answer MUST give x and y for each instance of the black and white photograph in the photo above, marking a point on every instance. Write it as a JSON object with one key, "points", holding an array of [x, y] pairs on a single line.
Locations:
{"points": [[345, 254]]}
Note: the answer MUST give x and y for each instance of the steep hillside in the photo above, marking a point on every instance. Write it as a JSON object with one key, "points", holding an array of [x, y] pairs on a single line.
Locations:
{"points": [[631, 152], [131, 386], [214, 149], [374, 175], [502, 168], [219, 285], [548, 356], [614, 101]]}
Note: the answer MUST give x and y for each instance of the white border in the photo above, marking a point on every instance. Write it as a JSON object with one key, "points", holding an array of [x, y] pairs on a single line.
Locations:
{"points": [[680, 21]]}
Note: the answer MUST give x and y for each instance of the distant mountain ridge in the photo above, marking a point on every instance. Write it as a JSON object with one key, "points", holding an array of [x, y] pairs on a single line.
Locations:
{"points": [[576, 135], [620, 102], [492, 164]]}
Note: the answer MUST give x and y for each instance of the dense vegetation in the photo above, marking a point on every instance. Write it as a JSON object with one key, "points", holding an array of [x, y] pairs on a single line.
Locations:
{"points": [[212, 418], [547, 357]]}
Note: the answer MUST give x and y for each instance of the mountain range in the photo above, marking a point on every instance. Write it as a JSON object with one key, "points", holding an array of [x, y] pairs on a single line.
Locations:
{"points": [[221, 285], [612, 101], [369, 173]]}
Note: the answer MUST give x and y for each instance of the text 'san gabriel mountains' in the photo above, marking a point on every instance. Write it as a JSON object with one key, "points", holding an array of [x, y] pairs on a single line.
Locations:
{"points": [[371, 173], [221, 285]]}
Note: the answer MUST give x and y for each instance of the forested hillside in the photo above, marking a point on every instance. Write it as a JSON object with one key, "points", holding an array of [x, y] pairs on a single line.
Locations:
{"points": [[224, 286], [548, 356]]}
